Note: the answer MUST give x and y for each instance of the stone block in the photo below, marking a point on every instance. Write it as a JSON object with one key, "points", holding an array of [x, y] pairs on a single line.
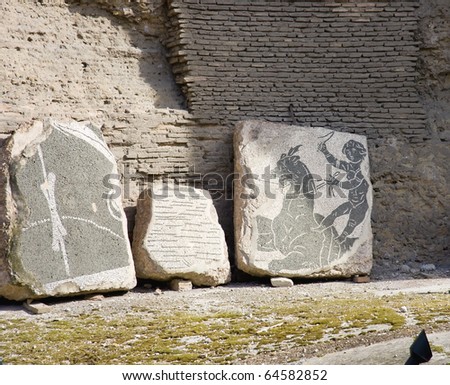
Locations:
{"points": [[302, 202], [180, 285], [361, 279], [281, 282], [177, 235], [62, 227]]}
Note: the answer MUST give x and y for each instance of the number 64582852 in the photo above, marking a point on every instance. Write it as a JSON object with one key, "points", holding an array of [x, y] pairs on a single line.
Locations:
{"points": [[296, 375]]}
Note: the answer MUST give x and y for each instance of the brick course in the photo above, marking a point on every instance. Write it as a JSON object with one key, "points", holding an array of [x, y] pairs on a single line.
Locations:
{"points": [[347, 66]]}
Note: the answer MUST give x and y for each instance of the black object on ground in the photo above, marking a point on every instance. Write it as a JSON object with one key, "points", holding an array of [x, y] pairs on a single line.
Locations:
{"points": [[420, 350]]}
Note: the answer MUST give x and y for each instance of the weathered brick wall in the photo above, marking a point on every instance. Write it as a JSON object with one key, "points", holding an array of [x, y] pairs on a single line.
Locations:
{"points": [[68, 60], [434, 65], [347, 66], [103, 60], [351, 66], [75, 60]]}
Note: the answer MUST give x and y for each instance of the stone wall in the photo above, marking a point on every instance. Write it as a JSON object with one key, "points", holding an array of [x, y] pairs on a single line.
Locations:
{"points": [[105, 63], [364, 67], [80, 62], [348, 66], [434, 65], [411, 181], [103, 60]]}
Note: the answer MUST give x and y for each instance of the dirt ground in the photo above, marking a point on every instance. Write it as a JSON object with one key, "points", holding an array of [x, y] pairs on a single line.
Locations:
{"points": [[268, 323]]}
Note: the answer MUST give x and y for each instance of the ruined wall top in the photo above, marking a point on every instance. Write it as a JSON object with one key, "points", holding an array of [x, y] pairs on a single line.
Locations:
{"points": [[349, 66]]}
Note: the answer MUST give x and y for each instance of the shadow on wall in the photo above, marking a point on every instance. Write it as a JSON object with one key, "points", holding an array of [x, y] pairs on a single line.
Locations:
{"points": [[145, 41], [132, 113], [200, 147]]}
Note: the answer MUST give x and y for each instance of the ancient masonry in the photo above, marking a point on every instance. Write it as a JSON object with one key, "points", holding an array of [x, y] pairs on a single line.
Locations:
{"points": [[61, 231], [76, 61], [177, 235], [349, 66], [302, 206]]}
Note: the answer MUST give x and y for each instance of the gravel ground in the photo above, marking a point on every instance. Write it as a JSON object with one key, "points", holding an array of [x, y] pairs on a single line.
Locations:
{"points": [[230, 297], [245, 298]]}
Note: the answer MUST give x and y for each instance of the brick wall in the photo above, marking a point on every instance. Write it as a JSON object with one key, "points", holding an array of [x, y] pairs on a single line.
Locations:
{"points": [[347, 66], [103, 60], [68, 60], [74, 60]]}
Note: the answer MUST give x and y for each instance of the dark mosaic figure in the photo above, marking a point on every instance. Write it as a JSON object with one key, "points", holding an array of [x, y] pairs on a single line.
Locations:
{"points": [[357, 205], [290, 232], [307, 239]]}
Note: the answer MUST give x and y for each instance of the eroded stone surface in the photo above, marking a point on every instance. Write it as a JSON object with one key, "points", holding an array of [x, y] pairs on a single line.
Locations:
{"points": [[177, 235], [63, 228], [303, 203]]}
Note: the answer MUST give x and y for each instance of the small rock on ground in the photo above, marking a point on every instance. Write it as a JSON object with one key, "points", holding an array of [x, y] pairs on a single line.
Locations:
{"points": [[36, 307], [428, 267], [180, 285], [281, 282]]}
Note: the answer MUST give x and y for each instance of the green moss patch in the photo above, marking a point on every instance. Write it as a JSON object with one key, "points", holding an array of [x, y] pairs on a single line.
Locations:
{"points": [[182, 337]]}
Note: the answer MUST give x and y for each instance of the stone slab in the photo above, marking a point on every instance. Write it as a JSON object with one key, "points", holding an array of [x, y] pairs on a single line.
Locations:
{"points": [[302, 201], [281, 282], [177, 235], [63, 229]]}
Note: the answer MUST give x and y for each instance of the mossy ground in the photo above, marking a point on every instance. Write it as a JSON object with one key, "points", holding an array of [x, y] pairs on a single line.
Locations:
{"points": [[184, 337]]}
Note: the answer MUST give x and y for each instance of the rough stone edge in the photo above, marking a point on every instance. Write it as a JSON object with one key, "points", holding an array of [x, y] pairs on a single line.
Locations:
{"points": [[5, 220], [353, 266], [13, 149], [146, 268], [10, 285], [241, 258]]}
